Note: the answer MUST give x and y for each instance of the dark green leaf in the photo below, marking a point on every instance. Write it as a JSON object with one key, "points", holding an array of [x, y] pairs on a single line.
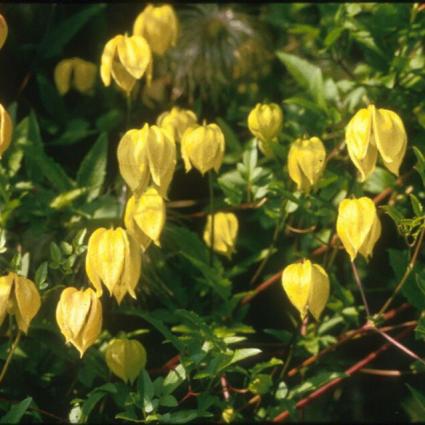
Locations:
{"points": [[16, 412]]}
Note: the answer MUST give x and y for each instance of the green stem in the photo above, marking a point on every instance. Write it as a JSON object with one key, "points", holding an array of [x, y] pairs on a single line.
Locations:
{"points": [[211, 193], [10, 355], [360, 286]]}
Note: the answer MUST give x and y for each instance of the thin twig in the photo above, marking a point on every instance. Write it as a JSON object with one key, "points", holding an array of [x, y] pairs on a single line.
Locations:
{"points": [[10, 355], [360, 286]]}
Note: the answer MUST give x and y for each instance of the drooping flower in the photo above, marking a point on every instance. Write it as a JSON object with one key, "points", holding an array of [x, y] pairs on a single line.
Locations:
{"points": [[3, 30], [307, 286], [6, 129], [79, 316], [113, 259], [177, 121], [75, 73], [19, 297], [306, 161], [125, 358], [358, 226], [225, 232], [373, 130], [203, 147]]}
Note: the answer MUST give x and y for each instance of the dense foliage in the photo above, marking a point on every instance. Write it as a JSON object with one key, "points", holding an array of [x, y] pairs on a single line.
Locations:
{"points": [[124, 298]]}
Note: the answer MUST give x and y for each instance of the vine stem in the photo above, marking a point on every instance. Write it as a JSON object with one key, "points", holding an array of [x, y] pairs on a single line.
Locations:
{"points": [[211, 193], [10, 355], [360, 286], [406, 274]]}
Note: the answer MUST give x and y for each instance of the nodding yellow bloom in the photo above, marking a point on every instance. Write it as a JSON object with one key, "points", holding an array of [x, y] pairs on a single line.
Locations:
{"points": [[125, 358], [6, 129], [177, 121], [358, 226], [76, 73], [114, 259], [265, 122], [126, 59], [225, 232], [307, 286], [3, 31], [373, 130], [79, 316], [203, 147], [306, 161], [159, 26], [145, 155], [18, 296], [144, 217]]}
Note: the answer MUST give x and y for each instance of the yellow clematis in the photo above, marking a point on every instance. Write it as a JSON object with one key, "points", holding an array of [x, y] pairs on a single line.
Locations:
{"points": [[177, 121], [113, 259], [6, 129], [358, 226], [306, 162], [159, 26], [307, 286], [126, 358], [79, 317], [225, 232], [75, 73], [203, 147], [19, 297], [3, 30]]}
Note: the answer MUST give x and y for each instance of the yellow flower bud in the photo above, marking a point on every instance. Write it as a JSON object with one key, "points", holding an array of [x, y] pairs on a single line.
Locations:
{"points": [[125, 358], [114, 259], [144, 217], [306, 161], [265, 121], [149, 153], [159, 26], [6, 129], [225, 232], [18, 296], [3, 31], [358, 226], [177, 121], [203, 147], [76, 73], [125, 59], [228, 415], [373, 130], [79, 316], [307, 286]]}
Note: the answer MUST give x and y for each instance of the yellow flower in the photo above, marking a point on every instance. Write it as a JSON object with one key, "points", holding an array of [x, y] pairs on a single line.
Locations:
{"points": [[18, 296], [126, 59], [225, 232], [177, 121], [76, 73], [374, 130], [149, 153], [3, 31], [6, 129], [307, 286], [79, 316], [144, 217], [203, 147], [358, 226], [114, 259], [306, 161], [125, 358], [265, 121], [228, 415], [159, 26]]}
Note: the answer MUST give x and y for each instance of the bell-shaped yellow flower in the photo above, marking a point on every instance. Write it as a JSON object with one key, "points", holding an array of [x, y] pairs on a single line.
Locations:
{"points": [[147, 154], [373, 130], [20, 297], [159, 26], [125, 358], [306, 161], [307, 286], [114, 259], [265, 121], [203, 147], [358, 226], [76, 73], [144, 217], [177, 121], [6, 129], [126, 59], [225, 232], [3, 30], [79, 316]]}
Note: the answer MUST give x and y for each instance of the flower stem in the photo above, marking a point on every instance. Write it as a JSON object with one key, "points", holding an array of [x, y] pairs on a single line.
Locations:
{"points": [[211, 193], [360, 286], [10, 355]]}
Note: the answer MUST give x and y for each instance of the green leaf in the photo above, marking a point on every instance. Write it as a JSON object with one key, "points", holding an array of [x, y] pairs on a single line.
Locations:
{"points": [[378, 181], [64, 199], [420, 165], [51, 99], [16, 412], [92, 170], [307, 75], [419, 397], [244, 353]]}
